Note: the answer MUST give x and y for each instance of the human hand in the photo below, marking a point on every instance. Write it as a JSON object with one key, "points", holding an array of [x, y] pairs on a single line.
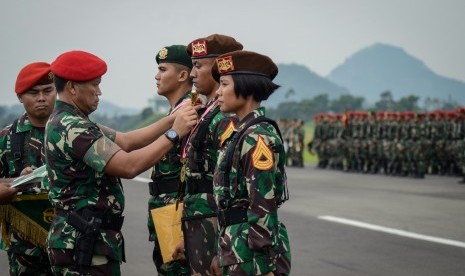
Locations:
{"points": [[268, 274], [178, 253], [7, 193], [186, 118], [26, 170], [215, 269]]}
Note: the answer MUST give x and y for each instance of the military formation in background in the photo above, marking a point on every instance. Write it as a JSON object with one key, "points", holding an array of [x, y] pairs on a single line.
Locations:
{"points": [[392, 143], [293, 135]]}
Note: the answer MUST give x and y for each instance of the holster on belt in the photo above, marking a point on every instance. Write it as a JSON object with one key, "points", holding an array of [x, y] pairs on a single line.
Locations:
{"points": [[88, 224]]}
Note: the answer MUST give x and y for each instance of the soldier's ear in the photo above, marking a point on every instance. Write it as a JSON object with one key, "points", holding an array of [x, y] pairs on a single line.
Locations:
{"points": [[71, 87], [19, 98]]}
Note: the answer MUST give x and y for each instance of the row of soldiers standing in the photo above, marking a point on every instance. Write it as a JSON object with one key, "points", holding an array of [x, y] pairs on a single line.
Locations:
{"points": [[293, 135], [394, 143]]}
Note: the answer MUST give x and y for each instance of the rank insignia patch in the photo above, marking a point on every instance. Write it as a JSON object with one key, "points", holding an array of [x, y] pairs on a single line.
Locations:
{"points": [[262, 156], [163, 53], [227, 132], [199, 48], [225, 64]]}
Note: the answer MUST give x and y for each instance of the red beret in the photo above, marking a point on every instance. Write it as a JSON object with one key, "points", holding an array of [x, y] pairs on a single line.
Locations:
{"points": [[33, 74], [78, 66], [212, 46], [244, 62]]}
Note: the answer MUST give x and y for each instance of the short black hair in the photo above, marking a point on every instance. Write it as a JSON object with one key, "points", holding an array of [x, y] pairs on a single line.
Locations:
{"points": [[260, 87], [60, 84]]}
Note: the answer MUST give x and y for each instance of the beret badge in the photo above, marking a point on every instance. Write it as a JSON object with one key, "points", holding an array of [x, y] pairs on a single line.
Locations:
{"points": [[50, 75], [199, 48], [225, 64], [163, 53]]}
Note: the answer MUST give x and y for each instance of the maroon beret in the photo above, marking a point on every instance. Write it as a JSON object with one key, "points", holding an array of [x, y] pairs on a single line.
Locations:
{"points": [[78, 66], [245, 63], [212, 46], [33, 74]]}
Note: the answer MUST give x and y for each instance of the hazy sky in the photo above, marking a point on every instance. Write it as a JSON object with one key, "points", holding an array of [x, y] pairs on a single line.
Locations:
{"points": [[319, 34]]}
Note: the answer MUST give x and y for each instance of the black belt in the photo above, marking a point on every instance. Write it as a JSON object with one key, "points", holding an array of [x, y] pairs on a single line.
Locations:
{"points": [[230, 216], [109, 222], [199, 186], [166, 186]]}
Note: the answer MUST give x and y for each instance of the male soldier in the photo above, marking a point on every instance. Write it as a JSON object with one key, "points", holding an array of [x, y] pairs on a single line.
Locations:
{"points": [[21, 151], [200, 156], [174, 83], [84, 163]]}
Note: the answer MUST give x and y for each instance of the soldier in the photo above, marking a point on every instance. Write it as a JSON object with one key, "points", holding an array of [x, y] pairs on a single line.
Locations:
{"points": [[21, 151], [85, 162], [174, 83], [250, 182], [199, 155]]}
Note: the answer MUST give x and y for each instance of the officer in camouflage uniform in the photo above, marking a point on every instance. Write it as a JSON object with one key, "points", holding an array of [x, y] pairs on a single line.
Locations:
{"points": [[24, 139], [84, 162], [250, 181], [199, 155], [174, 83]]}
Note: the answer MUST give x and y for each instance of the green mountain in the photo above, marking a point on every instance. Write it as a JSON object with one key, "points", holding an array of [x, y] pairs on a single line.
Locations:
{"points": [[298, 82], [381, 67]]}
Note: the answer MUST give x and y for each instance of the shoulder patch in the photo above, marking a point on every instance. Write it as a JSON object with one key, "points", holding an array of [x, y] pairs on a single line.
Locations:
{"points": [[262, 156], [227, 132]]}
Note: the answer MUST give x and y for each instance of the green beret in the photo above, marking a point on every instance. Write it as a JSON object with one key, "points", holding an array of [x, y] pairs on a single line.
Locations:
{"points": [[174, 54]]}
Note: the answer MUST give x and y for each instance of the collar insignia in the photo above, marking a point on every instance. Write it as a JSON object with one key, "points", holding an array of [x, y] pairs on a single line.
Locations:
{"points": [[262, 156], [225, 64], [199, 48]]}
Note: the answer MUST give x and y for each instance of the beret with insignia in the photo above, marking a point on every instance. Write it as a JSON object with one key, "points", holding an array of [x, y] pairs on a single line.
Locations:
{"points": [[78, 66], [245, 63], [212, 46], [174, 54], [33, 74]]}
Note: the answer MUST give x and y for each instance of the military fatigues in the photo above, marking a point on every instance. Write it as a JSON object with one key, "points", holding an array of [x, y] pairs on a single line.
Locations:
{"points": [[77, 151], [199, 212], [164, 190], [251, 239], [24, 257]]}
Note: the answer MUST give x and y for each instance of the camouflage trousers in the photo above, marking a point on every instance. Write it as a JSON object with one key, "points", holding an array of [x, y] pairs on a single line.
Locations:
{"points": [[200, 242], [25, 258], [283, 267], [63, 263]]}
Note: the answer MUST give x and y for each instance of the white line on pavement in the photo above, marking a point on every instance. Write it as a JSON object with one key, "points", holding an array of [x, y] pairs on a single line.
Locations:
{"points": [[393, 231], [141, 179]]}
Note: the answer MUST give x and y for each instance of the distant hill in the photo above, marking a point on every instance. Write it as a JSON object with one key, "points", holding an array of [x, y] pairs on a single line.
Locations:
{"points": [[104, 108], [110, 109], [305, 84], [381, 67]]}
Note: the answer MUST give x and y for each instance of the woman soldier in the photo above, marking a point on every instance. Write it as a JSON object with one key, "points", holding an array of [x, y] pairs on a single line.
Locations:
{"points": [[250, 180]]}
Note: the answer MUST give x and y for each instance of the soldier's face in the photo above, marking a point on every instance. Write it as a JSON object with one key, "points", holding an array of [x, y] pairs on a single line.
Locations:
{"points": [[86, 95], [39, 101], [202, 77], [228, 101], [168, 78]]}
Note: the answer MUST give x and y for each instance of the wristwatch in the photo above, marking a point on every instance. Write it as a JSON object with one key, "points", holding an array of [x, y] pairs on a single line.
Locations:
{"points": [[172, 135]]}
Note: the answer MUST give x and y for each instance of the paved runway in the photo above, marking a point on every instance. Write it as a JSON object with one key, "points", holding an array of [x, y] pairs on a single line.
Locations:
{"points": [[345, 224]]}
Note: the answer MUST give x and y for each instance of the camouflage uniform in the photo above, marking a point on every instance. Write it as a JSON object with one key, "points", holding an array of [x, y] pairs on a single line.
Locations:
{"points": [[77, 151], [199, 210], [259, 243], [166, 178], [24, 257]]}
